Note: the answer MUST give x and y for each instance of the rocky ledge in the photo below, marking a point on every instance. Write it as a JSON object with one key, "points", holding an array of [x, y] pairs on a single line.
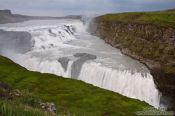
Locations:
{"points": [[147, 38]]}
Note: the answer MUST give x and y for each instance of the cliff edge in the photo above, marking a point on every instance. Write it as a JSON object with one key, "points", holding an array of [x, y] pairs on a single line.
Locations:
{"points": [[146, 36], [7, 17]]}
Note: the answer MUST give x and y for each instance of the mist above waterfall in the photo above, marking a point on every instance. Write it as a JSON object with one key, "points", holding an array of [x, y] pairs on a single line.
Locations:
{"points": [[65, 48], [19, 42]]}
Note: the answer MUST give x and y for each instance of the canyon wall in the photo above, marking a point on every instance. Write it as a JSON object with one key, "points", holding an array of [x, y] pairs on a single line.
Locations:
{"points": [[151, 44]]}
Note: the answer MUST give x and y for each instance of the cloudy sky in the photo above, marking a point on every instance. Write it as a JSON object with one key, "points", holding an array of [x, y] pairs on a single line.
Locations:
{"points": [[65, 7]]}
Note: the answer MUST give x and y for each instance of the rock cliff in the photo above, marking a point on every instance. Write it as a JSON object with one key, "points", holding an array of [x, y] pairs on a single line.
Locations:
{"points": [[7, 17], [148, 37]]}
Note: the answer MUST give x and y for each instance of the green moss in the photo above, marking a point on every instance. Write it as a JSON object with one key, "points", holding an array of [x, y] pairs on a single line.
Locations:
{"points": [[161, 18], [69, 95]]}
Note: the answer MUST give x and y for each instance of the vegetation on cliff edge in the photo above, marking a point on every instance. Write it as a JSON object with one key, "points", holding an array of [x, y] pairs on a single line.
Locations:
{"points": [[159, 18], [150, 37]]}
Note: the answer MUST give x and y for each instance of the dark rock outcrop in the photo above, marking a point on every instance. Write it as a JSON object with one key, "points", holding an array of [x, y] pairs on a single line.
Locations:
{"points": [[77, 65], [5, 12], [7, 17], [64, 62]]}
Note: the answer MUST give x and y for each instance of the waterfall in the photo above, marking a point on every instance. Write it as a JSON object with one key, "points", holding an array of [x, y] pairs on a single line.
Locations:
{"points": [[131, 84], [64, 48], [134, 85]]}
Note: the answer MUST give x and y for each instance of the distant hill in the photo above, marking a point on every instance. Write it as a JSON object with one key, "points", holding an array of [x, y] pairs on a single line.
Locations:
{"points": [[6, 16]]}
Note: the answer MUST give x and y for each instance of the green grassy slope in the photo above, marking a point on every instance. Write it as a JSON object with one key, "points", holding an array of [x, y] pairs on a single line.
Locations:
{"points": [[159, 18], [7, 108], [69, 95]]}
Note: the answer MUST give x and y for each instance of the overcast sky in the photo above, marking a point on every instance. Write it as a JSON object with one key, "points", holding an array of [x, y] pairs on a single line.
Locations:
{"points": [[66, 7]]}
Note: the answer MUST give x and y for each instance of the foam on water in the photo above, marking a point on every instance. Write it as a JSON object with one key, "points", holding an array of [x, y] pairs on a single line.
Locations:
{"points": [[64, 48]]}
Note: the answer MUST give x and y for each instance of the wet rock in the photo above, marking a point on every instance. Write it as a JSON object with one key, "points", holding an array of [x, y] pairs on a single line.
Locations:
{"points": [[166, 84], [64, 62], [70, 29], [51, 33], [85, 55], [77, 65]]}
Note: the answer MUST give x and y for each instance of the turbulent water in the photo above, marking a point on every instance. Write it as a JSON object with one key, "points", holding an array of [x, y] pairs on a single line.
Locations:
{"points": [[63, 47]]}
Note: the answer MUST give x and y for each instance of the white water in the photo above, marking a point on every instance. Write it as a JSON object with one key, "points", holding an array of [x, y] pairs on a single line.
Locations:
{"points": [[55, 39]]}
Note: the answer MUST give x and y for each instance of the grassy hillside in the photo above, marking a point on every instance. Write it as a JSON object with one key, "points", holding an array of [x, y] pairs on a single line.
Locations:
{"points": [[160, 18], [70, 96], [7, 108]]}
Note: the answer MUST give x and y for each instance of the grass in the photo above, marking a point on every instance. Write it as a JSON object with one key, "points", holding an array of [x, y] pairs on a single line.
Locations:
{"points": [[15, 109], [159, 18], [69, 95]]}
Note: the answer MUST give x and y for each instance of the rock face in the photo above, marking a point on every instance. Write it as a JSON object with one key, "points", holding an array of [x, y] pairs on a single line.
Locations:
{"points": [[5, 12], [77, 65], [150, 44]]}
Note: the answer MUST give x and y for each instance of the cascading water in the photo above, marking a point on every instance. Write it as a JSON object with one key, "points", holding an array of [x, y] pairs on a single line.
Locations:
{"points": [[64, 48]]}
